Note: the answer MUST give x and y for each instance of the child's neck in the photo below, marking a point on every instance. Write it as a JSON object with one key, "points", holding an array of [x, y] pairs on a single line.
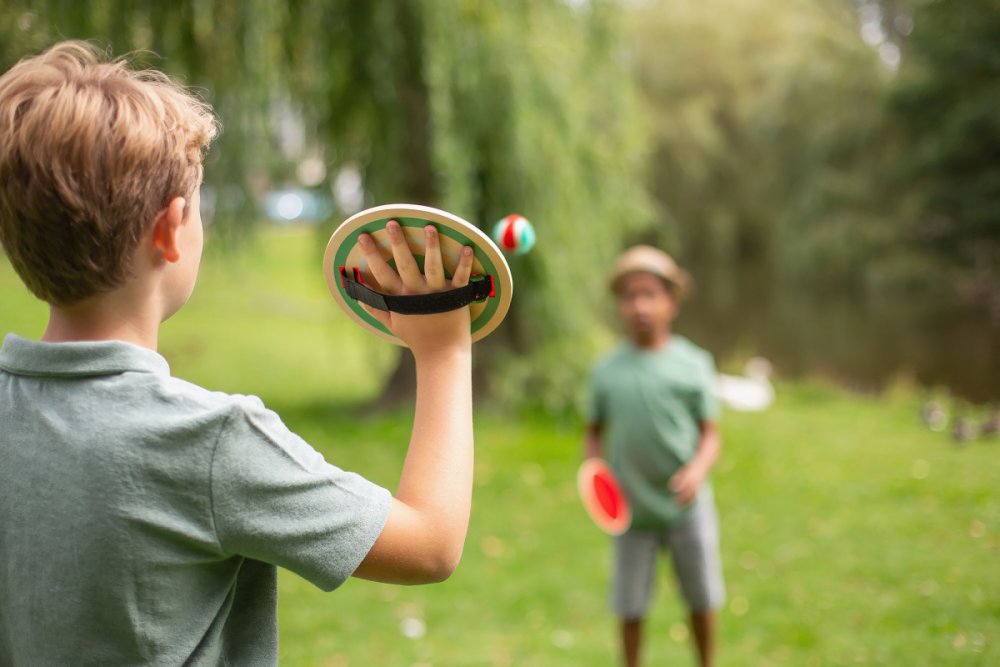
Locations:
{"points": [[655, 340], [112, 316]]}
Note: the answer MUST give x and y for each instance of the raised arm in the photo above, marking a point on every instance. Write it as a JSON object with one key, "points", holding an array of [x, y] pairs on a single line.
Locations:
{"points": [[424, 535]]}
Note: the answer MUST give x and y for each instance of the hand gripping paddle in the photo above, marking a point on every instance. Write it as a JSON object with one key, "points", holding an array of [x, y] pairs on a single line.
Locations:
{"points": [[602, 497], [351, 283]]}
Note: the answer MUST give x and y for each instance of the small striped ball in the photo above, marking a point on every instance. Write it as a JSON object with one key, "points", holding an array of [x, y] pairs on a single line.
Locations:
{"points": [[514, 234]]}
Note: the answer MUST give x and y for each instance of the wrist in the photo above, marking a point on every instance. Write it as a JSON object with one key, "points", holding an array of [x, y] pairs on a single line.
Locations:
{"points": [[441, 335], [437, 354], [698, 468]]}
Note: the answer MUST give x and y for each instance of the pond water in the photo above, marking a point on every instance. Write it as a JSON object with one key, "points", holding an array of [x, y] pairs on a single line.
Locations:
{"points": [[864, 343]]}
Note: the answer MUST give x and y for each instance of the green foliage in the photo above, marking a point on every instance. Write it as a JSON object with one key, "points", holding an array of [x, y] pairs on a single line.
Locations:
{"points": [[947, 102], [727, 131], [483, 108], [769, 134], [238, 69], [491, 108], [534, 114]]}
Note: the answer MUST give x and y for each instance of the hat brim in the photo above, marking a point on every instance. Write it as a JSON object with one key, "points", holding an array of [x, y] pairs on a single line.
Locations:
{"points": [[453, 232], [680, 284]]}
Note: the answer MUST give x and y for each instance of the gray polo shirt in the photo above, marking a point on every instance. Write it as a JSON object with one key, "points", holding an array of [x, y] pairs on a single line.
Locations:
{"points": [[142, 517]]}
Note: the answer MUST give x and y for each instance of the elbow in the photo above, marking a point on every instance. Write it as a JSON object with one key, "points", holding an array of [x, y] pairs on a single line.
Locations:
{"points": [[437, 575], [412, 551], [440, 567], [422, 566]]}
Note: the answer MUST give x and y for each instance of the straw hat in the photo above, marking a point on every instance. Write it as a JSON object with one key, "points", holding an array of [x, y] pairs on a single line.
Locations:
{"points": [[647, 259]]}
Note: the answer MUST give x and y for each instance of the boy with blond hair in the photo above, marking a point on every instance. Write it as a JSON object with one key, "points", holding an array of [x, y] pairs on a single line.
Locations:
{"points": [[142, 517], [652, 412]]}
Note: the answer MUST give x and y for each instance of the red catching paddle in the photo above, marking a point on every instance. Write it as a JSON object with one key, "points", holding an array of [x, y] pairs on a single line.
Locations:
{"points": [[602, 497]]}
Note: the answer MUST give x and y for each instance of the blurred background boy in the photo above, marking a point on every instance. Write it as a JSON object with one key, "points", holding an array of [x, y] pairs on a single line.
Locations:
{"points": [[652, 413]]}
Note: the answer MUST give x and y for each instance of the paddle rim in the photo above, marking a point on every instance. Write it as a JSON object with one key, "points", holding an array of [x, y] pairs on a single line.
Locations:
{"points": [[594, 479], [453, 231]]}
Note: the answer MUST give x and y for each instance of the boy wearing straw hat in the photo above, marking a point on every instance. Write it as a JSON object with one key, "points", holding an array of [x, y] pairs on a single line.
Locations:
{"points": [[652, 413]]}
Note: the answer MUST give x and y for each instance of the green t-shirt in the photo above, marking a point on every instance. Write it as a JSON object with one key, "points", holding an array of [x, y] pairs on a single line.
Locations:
{"points": [[142, 517], [649, 404]]}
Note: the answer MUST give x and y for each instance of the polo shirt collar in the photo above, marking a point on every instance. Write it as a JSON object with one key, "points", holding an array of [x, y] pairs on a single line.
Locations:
{"points": [[21, 356]]}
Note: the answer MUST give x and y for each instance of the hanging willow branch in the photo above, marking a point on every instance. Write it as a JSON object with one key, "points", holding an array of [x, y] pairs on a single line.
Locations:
{"points": [[483, 108]]}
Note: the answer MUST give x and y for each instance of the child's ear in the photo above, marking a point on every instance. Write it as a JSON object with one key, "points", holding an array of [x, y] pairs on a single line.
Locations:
{"points": [[166, 226]]}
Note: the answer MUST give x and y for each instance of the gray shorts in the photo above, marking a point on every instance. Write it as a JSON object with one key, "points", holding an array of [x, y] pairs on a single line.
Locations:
{"points": [[693, 543]]}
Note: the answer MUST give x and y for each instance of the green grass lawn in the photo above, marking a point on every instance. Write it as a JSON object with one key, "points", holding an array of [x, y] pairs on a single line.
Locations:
{"points": [[851, 534]]}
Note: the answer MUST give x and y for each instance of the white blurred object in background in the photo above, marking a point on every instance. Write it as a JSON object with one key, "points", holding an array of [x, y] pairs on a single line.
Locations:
{"points": [[751, 392]]}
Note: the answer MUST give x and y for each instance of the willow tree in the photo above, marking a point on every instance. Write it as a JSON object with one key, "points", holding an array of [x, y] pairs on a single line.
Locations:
{"points": [[481, 107], [232, 50], [947, 100], [770, 135]]}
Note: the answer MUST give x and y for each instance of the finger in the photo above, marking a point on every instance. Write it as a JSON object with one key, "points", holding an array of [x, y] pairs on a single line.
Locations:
{"points": [[387, 279], [433, 270], [406, 266], [464, 268]]}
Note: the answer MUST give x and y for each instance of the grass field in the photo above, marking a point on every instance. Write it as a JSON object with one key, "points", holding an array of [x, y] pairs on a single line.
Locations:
{"points": [[851, 534]]}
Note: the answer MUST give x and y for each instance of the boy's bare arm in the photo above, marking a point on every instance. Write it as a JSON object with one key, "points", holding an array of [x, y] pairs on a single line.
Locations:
{"points": [[592, 444], [686, 481], [425, 532]]}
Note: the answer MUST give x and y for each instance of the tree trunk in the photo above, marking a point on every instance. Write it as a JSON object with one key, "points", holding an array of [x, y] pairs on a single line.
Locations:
{"points": [[400, 387], [417, 181]]}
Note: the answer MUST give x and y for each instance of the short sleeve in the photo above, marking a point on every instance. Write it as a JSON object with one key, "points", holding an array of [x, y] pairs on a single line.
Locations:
{"points": [[594, 409], [708, 404], [276, 499]]}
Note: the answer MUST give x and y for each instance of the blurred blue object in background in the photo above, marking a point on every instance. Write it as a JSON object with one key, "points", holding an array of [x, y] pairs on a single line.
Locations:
{"points": [[293, 205]]}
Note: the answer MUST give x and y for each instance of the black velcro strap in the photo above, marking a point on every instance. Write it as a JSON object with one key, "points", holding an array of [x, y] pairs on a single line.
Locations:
{"points": [[479, 288]]}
